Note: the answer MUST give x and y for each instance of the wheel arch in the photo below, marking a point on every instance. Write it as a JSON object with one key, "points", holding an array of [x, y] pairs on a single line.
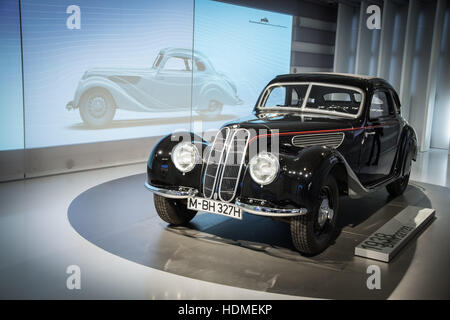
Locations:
{"points": [[407, 150], [339, 172], [210, 91]]}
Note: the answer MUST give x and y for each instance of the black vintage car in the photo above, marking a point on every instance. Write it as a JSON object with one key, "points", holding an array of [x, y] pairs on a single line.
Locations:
{"points": [[311, 139]]}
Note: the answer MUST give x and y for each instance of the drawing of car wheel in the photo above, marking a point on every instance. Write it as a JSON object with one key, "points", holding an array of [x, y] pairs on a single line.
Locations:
{"points": [[214, 109], [97, 108]]}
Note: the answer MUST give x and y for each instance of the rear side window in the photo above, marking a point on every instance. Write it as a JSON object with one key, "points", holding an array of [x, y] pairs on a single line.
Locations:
{"points": [[200, 65], [379, 106]]}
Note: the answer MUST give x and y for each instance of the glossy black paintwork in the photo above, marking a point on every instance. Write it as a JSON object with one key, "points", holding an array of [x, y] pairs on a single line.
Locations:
{"points": [[162, 172], [362, 163]]}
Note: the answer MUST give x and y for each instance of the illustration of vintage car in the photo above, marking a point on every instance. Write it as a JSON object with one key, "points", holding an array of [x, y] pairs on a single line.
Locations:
{"points": [[325, 135], [164, 87]]}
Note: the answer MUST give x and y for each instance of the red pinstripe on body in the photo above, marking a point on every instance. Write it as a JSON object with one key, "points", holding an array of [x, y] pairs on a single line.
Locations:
{"points": [[316, 131]]}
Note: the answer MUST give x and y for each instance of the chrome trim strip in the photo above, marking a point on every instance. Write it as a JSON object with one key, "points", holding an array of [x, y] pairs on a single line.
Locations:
{"points": [[303, 108], [270, 212], [240, 166], [213, 188], [181, 193]]}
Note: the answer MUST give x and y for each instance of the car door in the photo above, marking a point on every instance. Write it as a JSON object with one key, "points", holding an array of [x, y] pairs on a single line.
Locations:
{"points": [[380, 140]]}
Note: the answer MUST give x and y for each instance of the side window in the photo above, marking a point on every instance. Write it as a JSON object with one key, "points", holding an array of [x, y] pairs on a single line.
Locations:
{"points": [[175, 64], [379, 106]]}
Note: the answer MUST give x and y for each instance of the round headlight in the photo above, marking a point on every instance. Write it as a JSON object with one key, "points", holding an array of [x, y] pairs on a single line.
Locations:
{"points": [[264, 168], [185, 156]]}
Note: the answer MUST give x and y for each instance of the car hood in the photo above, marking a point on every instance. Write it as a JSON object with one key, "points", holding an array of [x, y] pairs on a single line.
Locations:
{"points": [[288, 122]]}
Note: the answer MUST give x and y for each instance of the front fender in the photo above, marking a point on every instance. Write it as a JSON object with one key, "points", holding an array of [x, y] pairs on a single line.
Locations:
{"points": [[161, 171], [299, 180], [122, 98]]}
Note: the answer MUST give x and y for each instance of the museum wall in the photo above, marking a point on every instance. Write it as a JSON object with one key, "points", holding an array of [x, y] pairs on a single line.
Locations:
{"points": [[71, 51], [55, 118], [410, 51], [441, 128], [11, 118]]}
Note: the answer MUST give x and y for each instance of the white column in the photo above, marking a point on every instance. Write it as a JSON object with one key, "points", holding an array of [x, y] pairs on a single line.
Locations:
{"points": [[346, 37], [367, 46], [433, 72]]}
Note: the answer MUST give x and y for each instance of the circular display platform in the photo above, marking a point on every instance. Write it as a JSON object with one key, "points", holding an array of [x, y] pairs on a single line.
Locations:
{"points": [[256, 252]]}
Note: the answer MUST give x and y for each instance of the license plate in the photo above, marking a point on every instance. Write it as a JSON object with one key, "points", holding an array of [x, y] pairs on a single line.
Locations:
{"points": [[212, 206]]}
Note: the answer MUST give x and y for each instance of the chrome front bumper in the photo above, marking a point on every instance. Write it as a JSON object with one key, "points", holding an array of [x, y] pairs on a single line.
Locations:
{"points": [[270, 212], [185, 192], [69, 105], [181, 193]]}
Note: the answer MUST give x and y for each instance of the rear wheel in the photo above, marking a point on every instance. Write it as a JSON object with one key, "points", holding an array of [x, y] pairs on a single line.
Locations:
{"points": [[214, 109], [313, 232], [397, 187], [173, 211]]}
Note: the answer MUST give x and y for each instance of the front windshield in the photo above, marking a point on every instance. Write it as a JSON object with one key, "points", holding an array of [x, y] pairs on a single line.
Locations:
{"points": [[316, 98], [157, 61]]}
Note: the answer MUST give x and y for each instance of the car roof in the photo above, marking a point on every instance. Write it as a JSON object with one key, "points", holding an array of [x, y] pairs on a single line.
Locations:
{"points": [[361, 81], [183, 52]]}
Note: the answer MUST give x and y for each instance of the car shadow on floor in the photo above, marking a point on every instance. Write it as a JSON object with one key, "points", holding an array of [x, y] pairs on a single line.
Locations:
{"points": [[255, 253], [358, 219]]}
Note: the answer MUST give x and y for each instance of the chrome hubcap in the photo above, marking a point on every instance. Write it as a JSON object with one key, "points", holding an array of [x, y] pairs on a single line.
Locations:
{"points": [[325, 212], [213, 105], [97, 106]]}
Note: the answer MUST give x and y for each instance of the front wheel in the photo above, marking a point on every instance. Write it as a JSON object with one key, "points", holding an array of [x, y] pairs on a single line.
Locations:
{"points": [[97, 108], [173, 211], [313, 232]]}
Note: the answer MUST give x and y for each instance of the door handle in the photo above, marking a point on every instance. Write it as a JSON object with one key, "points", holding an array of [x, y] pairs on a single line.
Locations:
{"points": [[371, 133]]}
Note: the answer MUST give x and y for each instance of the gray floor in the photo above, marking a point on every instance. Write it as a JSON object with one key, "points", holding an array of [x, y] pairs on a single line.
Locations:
{"points": [[256, 253], [37, 243]]}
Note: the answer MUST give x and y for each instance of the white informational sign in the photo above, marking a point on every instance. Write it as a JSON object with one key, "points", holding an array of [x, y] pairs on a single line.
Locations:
{"points": [[387, 241]]}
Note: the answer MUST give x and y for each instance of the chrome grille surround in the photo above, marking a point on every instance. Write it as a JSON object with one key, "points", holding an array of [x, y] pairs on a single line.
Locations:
{"points": [[232, 165], [224, 164], [332, 140], [214, 161]]}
